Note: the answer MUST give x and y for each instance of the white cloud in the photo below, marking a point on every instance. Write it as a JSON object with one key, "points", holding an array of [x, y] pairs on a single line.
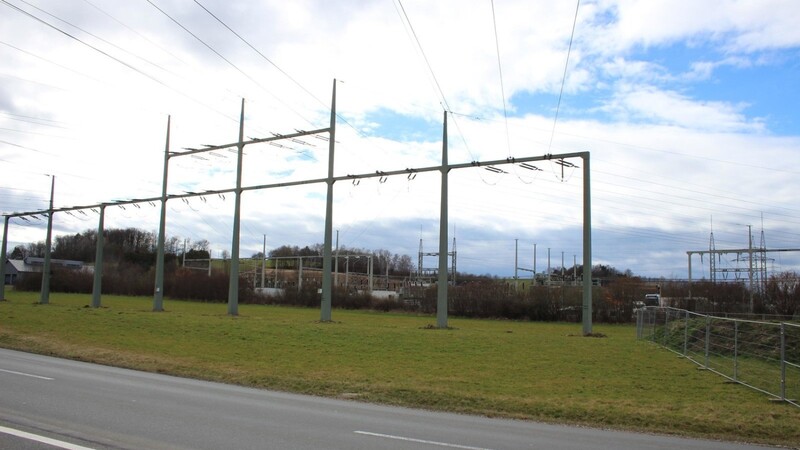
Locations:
{"points": [[664, 157], [736, 25], [672, 108]]}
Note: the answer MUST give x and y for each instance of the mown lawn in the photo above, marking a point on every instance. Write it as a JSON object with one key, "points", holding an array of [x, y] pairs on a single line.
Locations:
{"points": [[533, 371]]}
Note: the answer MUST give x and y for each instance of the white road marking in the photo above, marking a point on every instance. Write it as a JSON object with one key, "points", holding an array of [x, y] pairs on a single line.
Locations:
{"points": [[27, 375], [42, 439], [421, 441]]}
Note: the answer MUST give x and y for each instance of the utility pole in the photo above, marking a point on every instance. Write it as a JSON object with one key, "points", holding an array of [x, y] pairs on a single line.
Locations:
{"points": [[516, 264], [454, 260], [98, 260], [587, 246], [48, 245], [750, 262], [233, 285], [575, 268], [327, 288], [3, 259], [263, 261], [158, 295], [336, 262], [441, 302]]}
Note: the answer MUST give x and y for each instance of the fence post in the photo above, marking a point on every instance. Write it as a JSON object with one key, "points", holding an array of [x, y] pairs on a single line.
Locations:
{"points": [[639, 319], [666, 323], [735, 350], [708, 337], [686, 334], [783, 361], [652, 322]]}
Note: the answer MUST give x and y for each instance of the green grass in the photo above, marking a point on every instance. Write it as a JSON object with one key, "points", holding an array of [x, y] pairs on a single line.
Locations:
{"points": [[535, 371]]}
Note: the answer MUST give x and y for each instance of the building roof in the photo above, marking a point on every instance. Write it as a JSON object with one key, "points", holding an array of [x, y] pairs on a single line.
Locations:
{"points": [[35, 264]]}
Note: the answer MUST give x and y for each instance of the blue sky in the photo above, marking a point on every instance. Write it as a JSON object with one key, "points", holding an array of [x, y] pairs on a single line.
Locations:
{"points": [[687, 108]]}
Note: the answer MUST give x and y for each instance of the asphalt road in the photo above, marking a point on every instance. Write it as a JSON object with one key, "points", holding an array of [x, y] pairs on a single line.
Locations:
{"points": [[77, 405]]}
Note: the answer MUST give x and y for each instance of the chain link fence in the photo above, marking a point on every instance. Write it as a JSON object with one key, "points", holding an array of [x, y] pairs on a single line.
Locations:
{"points": [[764, 356]]}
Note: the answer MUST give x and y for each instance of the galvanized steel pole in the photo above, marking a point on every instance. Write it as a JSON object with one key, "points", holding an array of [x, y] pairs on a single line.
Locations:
{"points": [[158, 294], [442, 303], [690, 273], [98, 260], [3, 259], [327, 297], [587, 247], [263, 261], [48, 245], [233, 286], [516, 264]]}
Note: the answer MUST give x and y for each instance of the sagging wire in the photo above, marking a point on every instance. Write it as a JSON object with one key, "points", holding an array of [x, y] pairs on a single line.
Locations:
{"points": [[502, 87], [382, 178], [530, 167], [70, 213], [564, 77], [494, 169], [412, 175], [186, 200], [478, 164], [565, 164], [355, 182]]}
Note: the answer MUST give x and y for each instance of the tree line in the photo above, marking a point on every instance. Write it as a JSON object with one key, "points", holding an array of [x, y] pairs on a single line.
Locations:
{"points": [[140, 247], [130, 255], [353, 259], [119, 245]]}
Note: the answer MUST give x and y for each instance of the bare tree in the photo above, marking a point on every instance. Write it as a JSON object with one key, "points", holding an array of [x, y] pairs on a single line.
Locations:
{"points": [[783, 290]]}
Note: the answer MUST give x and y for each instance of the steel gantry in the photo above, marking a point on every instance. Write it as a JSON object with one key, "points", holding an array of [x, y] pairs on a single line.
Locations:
{"points": [[325, 305]]}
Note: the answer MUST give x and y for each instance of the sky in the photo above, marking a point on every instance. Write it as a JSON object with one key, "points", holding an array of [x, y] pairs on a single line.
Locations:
{"points": [[687, 108]]}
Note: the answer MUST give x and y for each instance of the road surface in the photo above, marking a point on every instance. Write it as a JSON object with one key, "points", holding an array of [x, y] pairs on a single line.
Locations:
{"points": [[51, 403]]}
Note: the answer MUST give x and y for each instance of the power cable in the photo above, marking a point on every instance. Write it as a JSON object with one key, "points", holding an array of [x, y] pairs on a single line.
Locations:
{"points": [[245, 74], [283, 72], [129, 66], [33, 120], [447, 108], [262, 55], [134, 31], [424, 56], [564, 77], [94, 36], [43, 22], [51, 62], [502, 87]]}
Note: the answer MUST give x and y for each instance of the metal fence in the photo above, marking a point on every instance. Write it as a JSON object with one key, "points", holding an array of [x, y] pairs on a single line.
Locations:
{"points": [[764, 356]]}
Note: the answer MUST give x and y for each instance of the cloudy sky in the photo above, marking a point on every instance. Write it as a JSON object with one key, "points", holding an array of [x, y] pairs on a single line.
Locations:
{"points": [[688, 109]]}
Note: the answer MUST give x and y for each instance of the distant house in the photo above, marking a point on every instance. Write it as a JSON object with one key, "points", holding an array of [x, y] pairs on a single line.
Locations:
{"points": [[18, 268]]}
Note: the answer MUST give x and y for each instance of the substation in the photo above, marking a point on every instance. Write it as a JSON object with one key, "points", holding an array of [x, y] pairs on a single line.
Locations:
{"points": [[446, 258]]}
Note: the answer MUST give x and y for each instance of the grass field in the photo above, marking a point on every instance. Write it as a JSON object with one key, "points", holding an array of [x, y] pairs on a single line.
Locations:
{"points": [[532, 371]]}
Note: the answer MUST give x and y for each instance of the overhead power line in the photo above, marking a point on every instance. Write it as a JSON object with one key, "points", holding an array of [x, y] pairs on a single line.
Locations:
{"points": [[133, 31], [208, 46], [502, 87], [564, 77], [424, 56], [94, 35], [260, 54], [42, 21]]}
